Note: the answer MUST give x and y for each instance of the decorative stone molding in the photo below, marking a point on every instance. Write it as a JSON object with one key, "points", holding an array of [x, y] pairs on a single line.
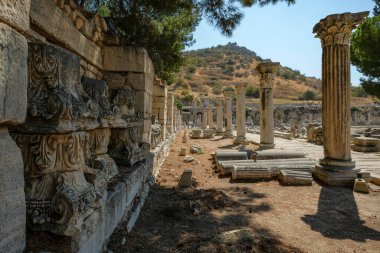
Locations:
{"points": [[336, 29], [58, 195]]}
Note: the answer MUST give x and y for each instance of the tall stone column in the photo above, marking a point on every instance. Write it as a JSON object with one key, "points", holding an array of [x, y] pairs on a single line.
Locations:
{"points": [[228, 114], [267, 72], [204, 119], [210, 117], [336, 168], [240, 113], [219, 115]]}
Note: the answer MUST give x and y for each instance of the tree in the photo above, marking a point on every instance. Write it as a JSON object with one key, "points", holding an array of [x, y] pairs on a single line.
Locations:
{"points": [[252, 92], [165, 28], [365, 52]]}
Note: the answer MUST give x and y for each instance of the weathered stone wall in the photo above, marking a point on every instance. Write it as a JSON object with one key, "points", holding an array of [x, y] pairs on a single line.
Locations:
{"points": [[14, 21], [79, 105]]}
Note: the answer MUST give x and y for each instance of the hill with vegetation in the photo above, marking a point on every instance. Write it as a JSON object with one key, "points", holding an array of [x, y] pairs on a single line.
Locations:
{"points": [[209, 71]]}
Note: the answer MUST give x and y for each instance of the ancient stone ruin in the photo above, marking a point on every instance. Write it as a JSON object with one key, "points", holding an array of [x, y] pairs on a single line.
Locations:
{"points": [[84, 127]]}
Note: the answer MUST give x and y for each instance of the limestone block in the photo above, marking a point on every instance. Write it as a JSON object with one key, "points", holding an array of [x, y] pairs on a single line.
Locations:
{"points": [[366, 141], [160, 99], [160, 90], [141, 82], [224, 156], [51, 21], [277, 154], [13, 75], [196, 133], [15, 13], [185, 180], [155, 111], [250, 173], [12, 196], [290, 177], [127, 59], [361, 186], [182, 151], [208, 133]]}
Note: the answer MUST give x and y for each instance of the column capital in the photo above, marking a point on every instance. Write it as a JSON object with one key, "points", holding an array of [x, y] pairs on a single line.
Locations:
{"points": [[227, 94], [336, 29], [240, 88], [267, 73]]}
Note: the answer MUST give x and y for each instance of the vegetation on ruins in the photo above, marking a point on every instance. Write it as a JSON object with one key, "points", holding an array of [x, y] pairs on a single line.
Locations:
{"points": [[365, 52], [211, 70], [165, 28]]}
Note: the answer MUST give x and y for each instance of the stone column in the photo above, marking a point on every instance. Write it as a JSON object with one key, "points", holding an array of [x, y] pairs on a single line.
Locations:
{"points": [[240, 113], [219, 116], [228, 114], [336, 168], [267, 72], [204, 119], [170, 106], [210, 117]]}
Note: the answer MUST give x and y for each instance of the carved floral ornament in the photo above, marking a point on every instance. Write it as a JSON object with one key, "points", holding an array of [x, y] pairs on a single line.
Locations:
{"points": [[336, 29]]}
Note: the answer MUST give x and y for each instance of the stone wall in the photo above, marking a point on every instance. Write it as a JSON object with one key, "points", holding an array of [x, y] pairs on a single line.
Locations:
{"points": [[75, 127]]}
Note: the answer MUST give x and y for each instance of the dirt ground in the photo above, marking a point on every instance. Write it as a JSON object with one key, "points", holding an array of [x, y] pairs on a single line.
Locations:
{"points": [[278, 219]]}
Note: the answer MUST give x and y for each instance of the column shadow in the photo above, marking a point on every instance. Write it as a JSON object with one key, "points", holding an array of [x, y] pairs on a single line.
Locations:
{"points": [[338, 217]]}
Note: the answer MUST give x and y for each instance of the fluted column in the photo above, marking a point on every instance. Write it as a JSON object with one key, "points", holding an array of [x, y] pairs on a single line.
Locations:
{"points": [[228, 114], [210, 117], [170, 114], [204, 119], [266, 74], [219, 115], [240, 113], [336, 168]]}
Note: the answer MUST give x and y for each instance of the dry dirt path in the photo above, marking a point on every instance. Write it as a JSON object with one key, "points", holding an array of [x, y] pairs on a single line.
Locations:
{"points": [[293, 219]]}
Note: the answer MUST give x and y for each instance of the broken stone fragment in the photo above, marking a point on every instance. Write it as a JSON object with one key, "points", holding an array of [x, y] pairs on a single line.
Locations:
{"points": [[361, 186], [185, 180]]}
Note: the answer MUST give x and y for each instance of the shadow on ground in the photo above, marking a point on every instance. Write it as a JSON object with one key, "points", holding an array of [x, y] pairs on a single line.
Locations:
{"points": [[338, 217], [190, 220]]}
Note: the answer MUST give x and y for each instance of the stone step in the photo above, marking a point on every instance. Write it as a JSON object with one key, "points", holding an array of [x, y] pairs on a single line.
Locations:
{"points": [[225, 167], [277, 154], [291, 177], [224, 156], [250, 173]]}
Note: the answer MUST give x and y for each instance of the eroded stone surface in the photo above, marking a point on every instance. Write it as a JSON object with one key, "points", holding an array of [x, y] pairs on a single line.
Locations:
{"points": [[15, 13], [13, 74]]}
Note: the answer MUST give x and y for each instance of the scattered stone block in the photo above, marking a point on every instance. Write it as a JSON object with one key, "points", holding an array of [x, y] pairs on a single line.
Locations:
{"points": [[225, 156], [291, 177], [188, 159], [361, 186], [208, 133], [196, 133], [365, 144], [276, 154], [185, 180], [195, 149], [250, 172], [182, 151]]}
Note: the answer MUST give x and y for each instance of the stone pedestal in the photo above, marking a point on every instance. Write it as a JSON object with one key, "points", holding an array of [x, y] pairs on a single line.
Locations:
{"points": [[219, 116], [228, 115], [170, 105], [267, 74], [210, 117], [240, 114], [336, 168]]}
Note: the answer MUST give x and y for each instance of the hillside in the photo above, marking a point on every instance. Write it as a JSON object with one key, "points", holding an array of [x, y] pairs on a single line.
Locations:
{"points": [[209, 71]]}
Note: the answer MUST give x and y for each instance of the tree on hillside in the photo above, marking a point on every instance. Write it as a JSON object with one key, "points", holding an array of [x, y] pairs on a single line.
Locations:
{"points": [[365, 52], [165, 27], [308, 95]]}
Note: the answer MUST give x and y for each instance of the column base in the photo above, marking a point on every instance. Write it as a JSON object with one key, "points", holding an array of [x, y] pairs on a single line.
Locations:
{"points": [[264, 146], [228, 134], [219, 132], [336, 172], [239, 140]]}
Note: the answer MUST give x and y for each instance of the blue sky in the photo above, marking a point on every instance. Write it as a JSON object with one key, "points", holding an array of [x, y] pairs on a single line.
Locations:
{"points": [[283, 33]]}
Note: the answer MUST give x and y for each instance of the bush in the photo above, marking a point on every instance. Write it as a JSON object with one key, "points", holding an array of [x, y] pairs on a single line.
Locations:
{"points": [[252, 92], [308, 95], [229, 88]]}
